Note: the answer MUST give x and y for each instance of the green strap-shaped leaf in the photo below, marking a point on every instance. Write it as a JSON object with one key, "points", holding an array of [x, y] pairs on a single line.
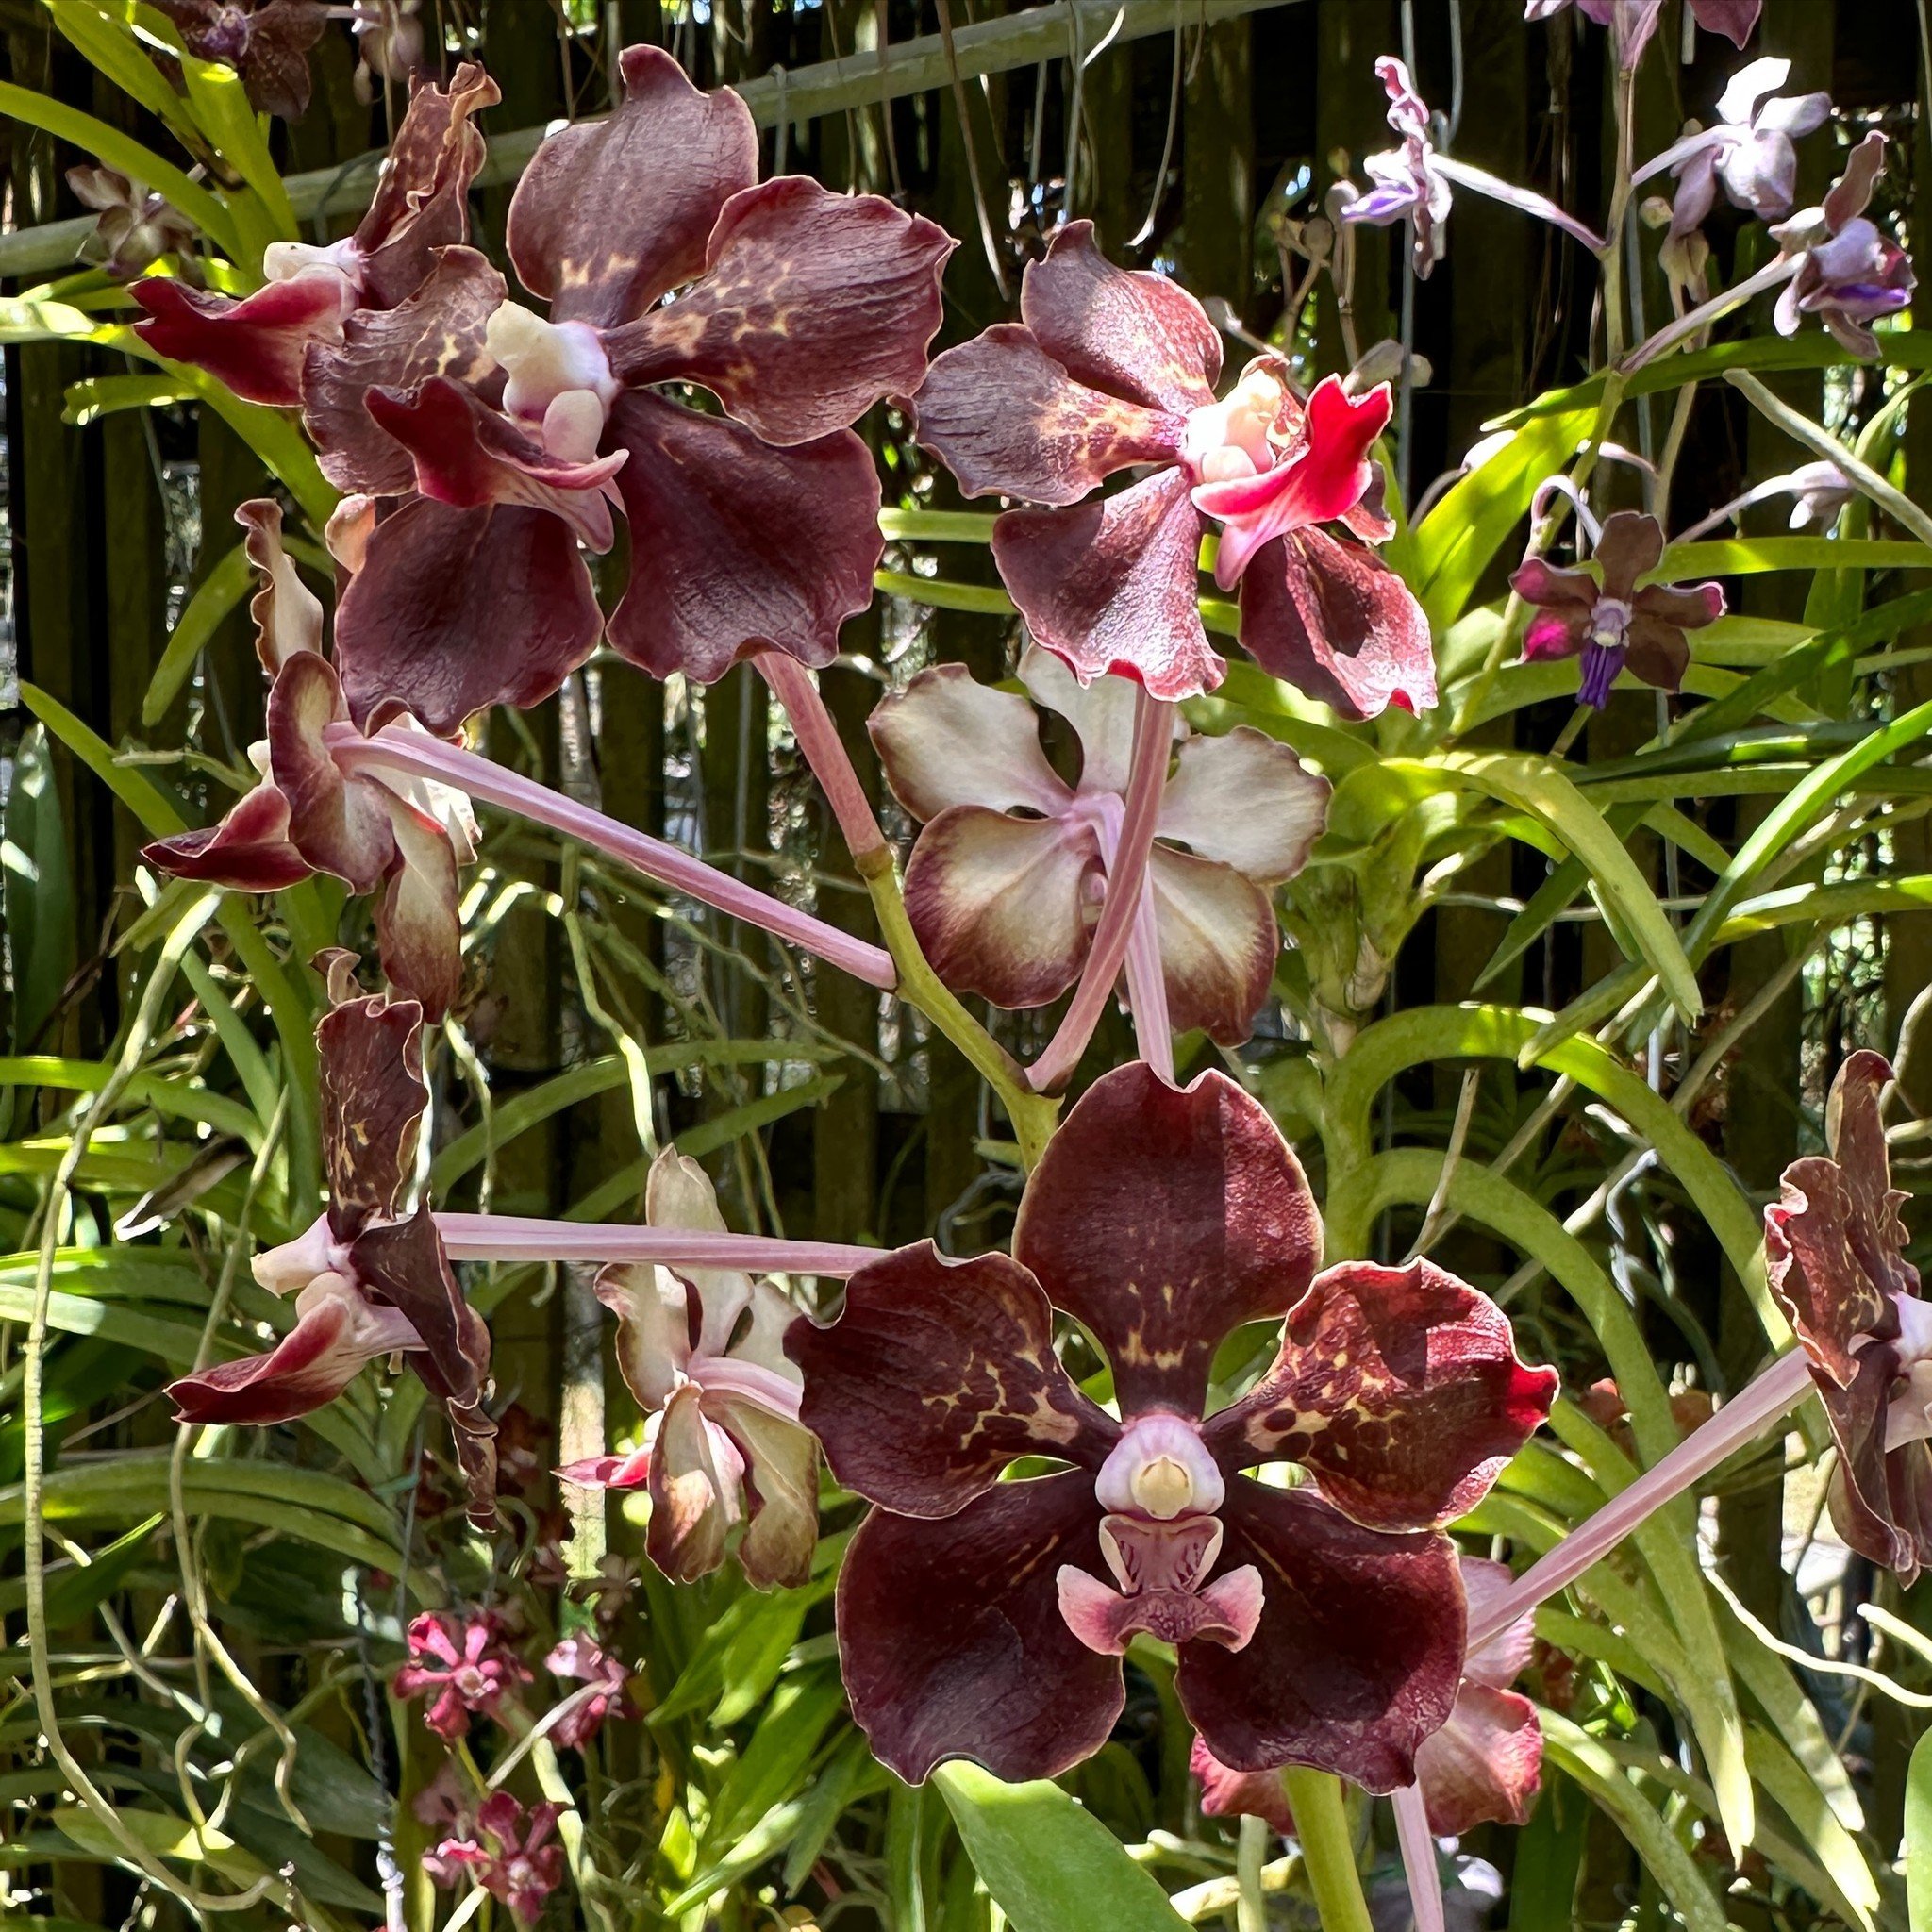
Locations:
{"points": [[1051, 1865], [215, 596], [1919, 1836]]}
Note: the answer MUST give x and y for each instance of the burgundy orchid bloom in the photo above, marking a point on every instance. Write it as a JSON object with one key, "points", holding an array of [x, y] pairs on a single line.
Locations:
{"points": [[577, 1660], [1483, 1767], [403, 836], [1005, 885], [519, 1864], [1321, 1624], [1835, 1248], [702, 1349], [368, 1281], [1114, 370], [266, 42], [1606, 619], [797, 308], [462, 1665], [1850, 272], [258, 344]]}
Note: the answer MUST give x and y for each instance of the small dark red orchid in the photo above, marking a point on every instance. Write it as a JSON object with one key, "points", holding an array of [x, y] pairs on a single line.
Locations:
{"points": [[518, 1863], [266, 41], [1603, 616], [1835, 1248], [368, 1280], [1005, 885], [1483, 1767], [462, 1665], [512, 435], [1114, 370], [257, 344], [604, 1691], [403, 838], [1321, 1624]]}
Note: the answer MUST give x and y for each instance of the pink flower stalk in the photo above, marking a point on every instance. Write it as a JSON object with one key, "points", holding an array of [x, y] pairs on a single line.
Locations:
{"points": [[1483, 1767], [259, 345], [986, 1619], [400, 754], [462, 1665], [504, 438], [1604, 617], [1005, 883], [1414, 183], [522, 1238], [516, 1862], [368, 1282], [387, 831], [700, 1349], [1112, 370], [578, 1660]]}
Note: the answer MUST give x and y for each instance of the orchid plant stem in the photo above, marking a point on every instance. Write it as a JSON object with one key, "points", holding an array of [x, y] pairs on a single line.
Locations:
{"points": [[518, 1238], [1419, 1859], [1321, 1823], [825, 751], [421, 757], [1770, 1397], [1146, 782], [1251, 1855]]}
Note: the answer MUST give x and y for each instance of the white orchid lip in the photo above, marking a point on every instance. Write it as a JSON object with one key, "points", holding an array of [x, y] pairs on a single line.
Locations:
{"points": [[1609, 622], [1230, 438], [1161, 1469], [560, 379]]}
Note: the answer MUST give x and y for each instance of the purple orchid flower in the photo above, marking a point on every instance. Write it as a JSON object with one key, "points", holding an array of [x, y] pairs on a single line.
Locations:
{"points": [[1112, 370], [1606, 618], [1416, 183], [401, 835], [517, 1862], [499, 440], [1483, 1767], [1849, 273], [702, 1349], [369, 1280], [1633, 21], [1836, 1247], [986, 1619], [462, 1665], [1749, 152], [258, 344], [606, 1692], [1005, 883]]}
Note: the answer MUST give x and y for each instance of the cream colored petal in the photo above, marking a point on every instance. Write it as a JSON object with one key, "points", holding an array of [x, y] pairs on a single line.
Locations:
{"points": [[678, 1193], [782, 1480], [947, 740], [1246, 800], [1218, 944], [653, 1328], [1101, 713]]}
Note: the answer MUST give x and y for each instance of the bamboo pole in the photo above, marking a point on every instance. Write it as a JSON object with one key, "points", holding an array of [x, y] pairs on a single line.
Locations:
{"points": [[830, 87]]}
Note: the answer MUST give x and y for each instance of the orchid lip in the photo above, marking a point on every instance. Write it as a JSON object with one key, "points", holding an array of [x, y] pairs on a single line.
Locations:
{"points": [[1161, 1469]]}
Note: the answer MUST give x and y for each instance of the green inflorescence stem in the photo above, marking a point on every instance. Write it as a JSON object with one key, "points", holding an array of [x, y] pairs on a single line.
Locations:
{"points": [[1321, 1823]]}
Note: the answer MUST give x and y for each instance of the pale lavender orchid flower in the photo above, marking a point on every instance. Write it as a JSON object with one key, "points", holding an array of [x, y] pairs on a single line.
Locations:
{"points": [[1633, 21]]}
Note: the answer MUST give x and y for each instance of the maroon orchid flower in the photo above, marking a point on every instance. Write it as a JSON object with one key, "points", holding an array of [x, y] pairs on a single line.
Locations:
{"points": [[604, 1692], [1483, 1767], [702, 1349], [1114, 370], [403, 838], [518, 1863], [1005, 885], [1321, 1624], [368, 1282], [133, 227], [266, 41], [1836, 1247], [758, 530], [1604, 617], [258, 344], [462, 1665], [1850, 272]]}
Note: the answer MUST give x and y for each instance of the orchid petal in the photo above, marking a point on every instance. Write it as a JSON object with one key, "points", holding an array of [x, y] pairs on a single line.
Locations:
{"points": [[1009, 421], [1247, 800], [1123, 331], [1500, 1659], [1111, 586], [811, 307], [454, 610], [1102, 714], [1485, 1765], [255, 346], [697, 1489], [1226, 1793], [1851, 195], [951, 1641], [287, 614], [372, 1100], [781, 1481], [1399, 1389], [653, 1328], [678, 1193], [1001, 905], [935, 1377], [948, 739], [748, 547], [1321, 1683], [612, 214], [1632, 544], [1734, 19], [248, 851], [1332, 618], [340, 825], [1218, 943], [1163, 1219], [436, 331], [629, 1471], [418, 921]]}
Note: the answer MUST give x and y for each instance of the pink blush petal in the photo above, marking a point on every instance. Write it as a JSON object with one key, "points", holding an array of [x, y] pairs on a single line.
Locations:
{"points": [[1218, 944], [1485, 1765], [1553, 635], [257, 345], [249, 850]]}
